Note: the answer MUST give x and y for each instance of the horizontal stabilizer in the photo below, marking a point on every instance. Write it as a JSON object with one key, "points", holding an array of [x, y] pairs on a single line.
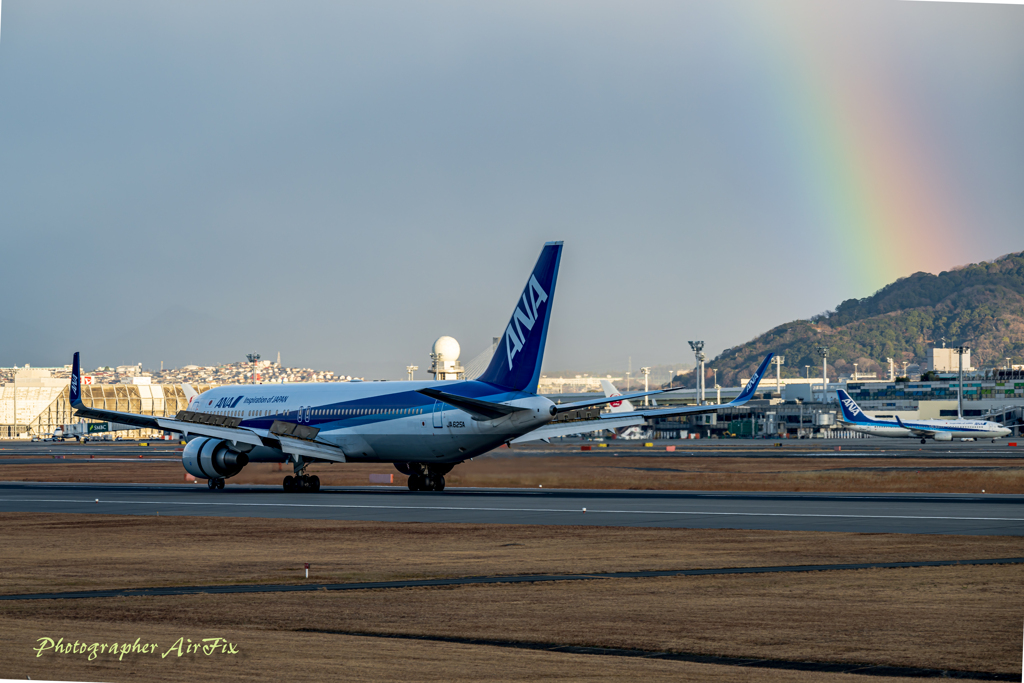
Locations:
{"points": [[480, 410]]}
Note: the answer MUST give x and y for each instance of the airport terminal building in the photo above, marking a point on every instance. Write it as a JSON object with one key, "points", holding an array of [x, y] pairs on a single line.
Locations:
{"points": [[36, 403]]}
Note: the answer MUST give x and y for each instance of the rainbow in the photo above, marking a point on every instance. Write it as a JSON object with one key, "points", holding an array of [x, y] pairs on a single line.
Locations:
{"points": [[863, 167]]}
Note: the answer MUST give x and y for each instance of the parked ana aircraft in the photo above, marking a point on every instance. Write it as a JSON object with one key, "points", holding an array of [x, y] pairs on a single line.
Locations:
{"points": [[939, 430], [425, 428]]}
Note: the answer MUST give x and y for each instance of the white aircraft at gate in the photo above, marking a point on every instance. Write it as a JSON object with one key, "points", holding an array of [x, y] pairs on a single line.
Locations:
{"points": [[939, 430], [424, 428]]}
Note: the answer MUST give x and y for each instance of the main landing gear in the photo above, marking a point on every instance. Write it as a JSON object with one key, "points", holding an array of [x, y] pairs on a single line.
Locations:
{"points": [[424, 477], [924, 440], [426, 482], [302, 484], [215, 483]]}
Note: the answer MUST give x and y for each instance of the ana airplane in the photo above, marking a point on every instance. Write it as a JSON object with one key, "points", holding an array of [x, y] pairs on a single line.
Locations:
{"points": [[424, 428], [938, 430]]}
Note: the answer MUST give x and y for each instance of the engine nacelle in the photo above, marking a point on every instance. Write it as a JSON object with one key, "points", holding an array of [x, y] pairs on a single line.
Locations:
{"points": [[942, 436], [209, 458]]}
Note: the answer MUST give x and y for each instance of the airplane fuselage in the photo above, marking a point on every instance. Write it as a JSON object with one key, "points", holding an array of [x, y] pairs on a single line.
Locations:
{"points": [[379, 421], [955, 429]]}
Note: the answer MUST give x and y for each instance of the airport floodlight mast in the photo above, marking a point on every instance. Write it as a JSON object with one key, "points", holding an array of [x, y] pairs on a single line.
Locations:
{"points": [[905, 364], [411, 369], [698, 353], [807, 372], [823, 350], [960, 351], [718, 389], [778, 362], [854, 372], [892, 369], [253, 358], [647, 373]]}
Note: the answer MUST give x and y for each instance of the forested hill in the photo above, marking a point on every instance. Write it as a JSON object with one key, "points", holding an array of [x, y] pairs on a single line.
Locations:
{"points": [[980, 305]]}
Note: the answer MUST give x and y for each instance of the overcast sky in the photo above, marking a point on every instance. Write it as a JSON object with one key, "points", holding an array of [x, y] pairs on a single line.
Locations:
{"points": [[344, 183]]}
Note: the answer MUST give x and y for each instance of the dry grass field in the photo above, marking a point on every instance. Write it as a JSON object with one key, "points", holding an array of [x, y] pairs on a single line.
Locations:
{"points": [[964, 618], [884, 475], [270, 657], [60, 552], [951, 617]]}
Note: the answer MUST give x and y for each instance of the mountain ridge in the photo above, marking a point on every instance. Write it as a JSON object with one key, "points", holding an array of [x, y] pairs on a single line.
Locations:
{"points": [[979, 304]]}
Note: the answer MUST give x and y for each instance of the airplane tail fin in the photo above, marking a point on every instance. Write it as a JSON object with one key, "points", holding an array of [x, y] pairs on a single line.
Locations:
{"points": [[189, 392], [517, 360], [851, 411], [748, 391], [618, 406], [75, 389]]}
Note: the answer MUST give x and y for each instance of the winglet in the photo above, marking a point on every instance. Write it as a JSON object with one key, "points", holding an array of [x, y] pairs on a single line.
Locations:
{"points": [[748, 391], [75, 391]]}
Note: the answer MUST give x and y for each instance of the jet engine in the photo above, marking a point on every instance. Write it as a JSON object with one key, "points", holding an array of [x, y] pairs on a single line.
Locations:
{"points": [[942, 436], [208, 458]]}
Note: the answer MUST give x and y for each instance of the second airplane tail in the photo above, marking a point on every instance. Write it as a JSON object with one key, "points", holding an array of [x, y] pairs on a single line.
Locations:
{"points": [[851, 411]]}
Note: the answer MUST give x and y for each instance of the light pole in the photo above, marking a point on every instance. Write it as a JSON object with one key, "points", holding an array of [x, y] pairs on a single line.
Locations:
{"points": [[253, 358], [960, 351], [854, 372], [823, 350], [411, 369], [778, 362], [905, 364], [718, 389], [647, 373], [807, 372], [698, 353]]}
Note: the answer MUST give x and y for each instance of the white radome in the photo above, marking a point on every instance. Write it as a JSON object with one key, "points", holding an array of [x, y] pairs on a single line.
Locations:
{"points": [[446, 348]]}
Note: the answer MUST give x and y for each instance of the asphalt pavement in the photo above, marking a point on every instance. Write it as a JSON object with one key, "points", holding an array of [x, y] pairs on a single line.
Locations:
{"points": [[980, 514]]}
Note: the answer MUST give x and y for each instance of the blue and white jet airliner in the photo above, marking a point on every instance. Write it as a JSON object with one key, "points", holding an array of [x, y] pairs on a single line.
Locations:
{"points": [[939, 430], [424, 428]]}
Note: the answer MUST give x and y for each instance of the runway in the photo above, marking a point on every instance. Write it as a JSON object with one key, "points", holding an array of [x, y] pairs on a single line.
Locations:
{"points": [[853, 512]]}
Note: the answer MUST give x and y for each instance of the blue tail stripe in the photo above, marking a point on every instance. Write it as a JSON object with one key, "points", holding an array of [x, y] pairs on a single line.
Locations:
{"points": [[517, 360], [751, 387], [851, 411], [75, 388]]}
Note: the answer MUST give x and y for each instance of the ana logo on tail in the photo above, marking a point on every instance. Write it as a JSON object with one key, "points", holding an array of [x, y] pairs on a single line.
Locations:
{"points": [[515, 338], [851, 406]]}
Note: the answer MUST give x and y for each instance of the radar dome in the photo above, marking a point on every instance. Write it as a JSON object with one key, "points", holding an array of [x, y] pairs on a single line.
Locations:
{"points": [[446, 348]]}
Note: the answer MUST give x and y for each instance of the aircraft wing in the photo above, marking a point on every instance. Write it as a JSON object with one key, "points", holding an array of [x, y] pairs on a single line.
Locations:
{"points": [[554, 429], [215, 426], [589, 403], [915, 430], [745, 395]]}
